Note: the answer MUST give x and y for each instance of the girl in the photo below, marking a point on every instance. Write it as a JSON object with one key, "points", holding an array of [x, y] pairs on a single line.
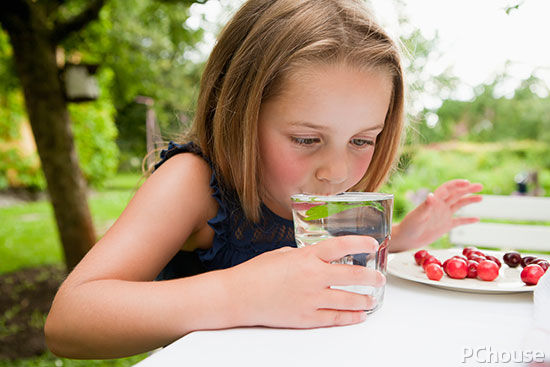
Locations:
{"points": [[297, 96]]}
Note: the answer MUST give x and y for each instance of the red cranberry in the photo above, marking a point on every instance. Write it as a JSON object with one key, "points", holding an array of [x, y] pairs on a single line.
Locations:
{"points": [[434, 271], [446, 262], [487, 270], [420, 255], [478, 253], [430, 260], [472, 269], [460, 257], [512, 259], [467, 250], [494, 259], [526, 260], [542, 263], [531, 274], [456, 268], [476, 258]]}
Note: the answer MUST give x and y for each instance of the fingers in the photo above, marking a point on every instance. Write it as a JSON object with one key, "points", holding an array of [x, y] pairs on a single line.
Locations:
{"points": [[342, 274], [454, 189], [465, 201], [337, 299], [463, 220], [338, 247], [445, 189], [457, 195], [338, 318]]}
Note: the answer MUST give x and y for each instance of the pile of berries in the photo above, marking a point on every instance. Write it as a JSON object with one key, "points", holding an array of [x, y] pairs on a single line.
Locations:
{"points": [[533, 267], [471, 264]]}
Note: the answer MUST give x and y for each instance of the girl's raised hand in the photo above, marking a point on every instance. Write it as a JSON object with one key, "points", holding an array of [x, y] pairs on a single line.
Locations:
{"points": [[291, 287], [435, 216]]}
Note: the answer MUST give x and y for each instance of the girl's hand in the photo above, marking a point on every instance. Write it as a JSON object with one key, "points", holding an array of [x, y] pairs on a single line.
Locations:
{"points": [[435, 216], [290, 287]]}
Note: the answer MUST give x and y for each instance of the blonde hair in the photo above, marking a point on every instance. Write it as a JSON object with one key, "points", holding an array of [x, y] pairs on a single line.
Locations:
{"points": [[257, 49]]}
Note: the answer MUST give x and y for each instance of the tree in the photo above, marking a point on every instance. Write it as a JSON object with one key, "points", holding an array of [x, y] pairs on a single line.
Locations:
{"points": [[35, 29]]}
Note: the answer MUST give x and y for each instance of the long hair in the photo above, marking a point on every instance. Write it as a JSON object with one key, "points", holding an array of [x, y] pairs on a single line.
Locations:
{"points": [[263, 43]]}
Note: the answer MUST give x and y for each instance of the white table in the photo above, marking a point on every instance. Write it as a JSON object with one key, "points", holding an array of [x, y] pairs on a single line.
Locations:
{"points": [[417, 325]]}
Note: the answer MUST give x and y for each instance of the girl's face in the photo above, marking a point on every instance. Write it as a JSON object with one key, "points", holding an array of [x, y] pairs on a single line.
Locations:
{"points": [[317, 136]]}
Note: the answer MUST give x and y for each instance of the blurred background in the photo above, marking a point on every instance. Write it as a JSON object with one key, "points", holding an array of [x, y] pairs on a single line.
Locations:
{"points": [[87, 88]]}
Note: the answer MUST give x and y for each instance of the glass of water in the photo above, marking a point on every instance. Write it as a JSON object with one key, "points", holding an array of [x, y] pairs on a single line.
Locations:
{"points": [[318, 217]]}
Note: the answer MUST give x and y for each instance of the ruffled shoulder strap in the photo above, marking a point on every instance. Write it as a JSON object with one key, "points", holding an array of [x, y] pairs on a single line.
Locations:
{"points": [[174, 148]]}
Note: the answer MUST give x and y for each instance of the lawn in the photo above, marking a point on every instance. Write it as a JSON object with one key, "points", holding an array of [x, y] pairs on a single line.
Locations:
{"points": [[28, 238], [28, 235]]}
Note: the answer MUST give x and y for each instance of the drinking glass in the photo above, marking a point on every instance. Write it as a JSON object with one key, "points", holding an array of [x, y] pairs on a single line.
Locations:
{"points": [[318, 217]]}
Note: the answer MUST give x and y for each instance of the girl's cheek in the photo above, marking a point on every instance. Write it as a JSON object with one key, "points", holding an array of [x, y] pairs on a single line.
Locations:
{"points": [[292, 169], [361, 166]]}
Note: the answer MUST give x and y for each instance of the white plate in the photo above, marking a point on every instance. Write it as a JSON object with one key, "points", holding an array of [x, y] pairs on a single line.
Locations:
{"points": [[404, 266]]}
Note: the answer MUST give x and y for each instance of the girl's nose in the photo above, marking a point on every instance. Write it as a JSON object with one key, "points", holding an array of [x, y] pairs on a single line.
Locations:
{"points": [[332, 170]]}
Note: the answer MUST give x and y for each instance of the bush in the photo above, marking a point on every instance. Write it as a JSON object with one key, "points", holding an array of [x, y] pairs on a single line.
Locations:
{"points": [[95, 137], [495, 165], [94, 132]]}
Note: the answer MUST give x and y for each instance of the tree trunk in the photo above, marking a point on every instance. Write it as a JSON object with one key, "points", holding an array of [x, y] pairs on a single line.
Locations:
{"points": [[34, 52]]}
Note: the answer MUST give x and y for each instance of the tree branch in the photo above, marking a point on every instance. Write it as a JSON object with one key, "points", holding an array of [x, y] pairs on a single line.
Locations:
{"points": [[64, 29]]}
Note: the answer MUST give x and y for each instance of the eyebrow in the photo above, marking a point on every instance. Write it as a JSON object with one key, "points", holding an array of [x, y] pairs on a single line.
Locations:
{"points": [[324, 128]]}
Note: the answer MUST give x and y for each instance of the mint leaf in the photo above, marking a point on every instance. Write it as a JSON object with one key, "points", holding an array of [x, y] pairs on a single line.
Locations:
{"points": [[331, 208]]}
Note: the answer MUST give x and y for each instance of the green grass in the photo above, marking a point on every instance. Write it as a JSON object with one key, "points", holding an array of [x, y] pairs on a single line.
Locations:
{"points": [[28, 237], [28, 234], [49, 360]]}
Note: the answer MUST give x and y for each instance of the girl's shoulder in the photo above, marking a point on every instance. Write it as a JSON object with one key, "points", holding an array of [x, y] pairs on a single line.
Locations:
{"points": [[185, 174], [174, 149]]}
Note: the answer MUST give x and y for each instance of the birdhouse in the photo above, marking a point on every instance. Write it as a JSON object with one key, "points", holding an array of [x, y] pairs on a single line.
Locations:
{"points": [[80, 82]]}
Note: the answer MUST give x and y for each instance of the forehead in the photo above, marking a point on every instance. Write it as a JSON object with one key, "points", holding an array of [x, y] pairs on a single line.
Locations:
{"points": [[334, 93]]}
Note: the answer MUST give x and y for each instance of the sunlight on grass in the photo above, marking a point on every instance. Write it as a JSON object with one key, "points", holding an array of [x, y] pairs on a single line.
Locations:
{"points": [[28, 234], [49, 360]]}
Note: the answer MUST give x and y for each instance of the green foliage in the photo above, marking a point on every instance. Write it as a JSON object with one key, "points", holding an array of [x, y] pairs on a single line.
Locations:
{"points": [[330, 208], [17, 170], [12, 108], [8, 78], [525, 115], [143, 48], [149, 47], [95, 134], [494, 165]]}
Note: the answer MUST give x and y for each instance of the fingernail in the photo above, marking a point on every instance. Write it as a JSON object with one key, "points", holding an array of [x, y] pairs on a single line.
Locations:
{"points": [[363, 316]]}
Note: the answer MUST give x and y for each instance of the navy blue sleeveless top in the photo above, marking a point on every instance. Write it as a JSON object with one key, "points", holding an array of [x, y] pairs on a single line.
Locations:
{"points": [[236, 239]]}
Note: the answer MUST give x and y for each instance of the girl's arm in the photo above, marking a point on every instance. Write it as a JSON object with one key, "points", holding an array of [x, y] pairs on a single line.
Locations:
{"points": [[109, 306], [435, 216]]}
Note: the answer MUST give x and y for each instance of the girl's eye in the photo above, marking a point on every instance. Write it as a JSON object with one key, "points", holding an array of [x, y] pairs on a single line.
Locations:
{"points": [[361, 142], [305, 141]]}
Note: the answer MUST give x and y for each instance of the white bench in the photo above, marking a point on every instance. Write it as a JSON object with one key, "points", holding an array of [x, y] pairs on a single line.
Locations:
{"points": [[506, 236]]}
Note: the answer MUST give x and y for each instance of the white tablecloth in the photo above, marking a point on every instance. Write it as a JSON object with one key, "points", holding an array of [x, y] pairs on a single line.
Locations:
{"points": [[418, 325]]}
